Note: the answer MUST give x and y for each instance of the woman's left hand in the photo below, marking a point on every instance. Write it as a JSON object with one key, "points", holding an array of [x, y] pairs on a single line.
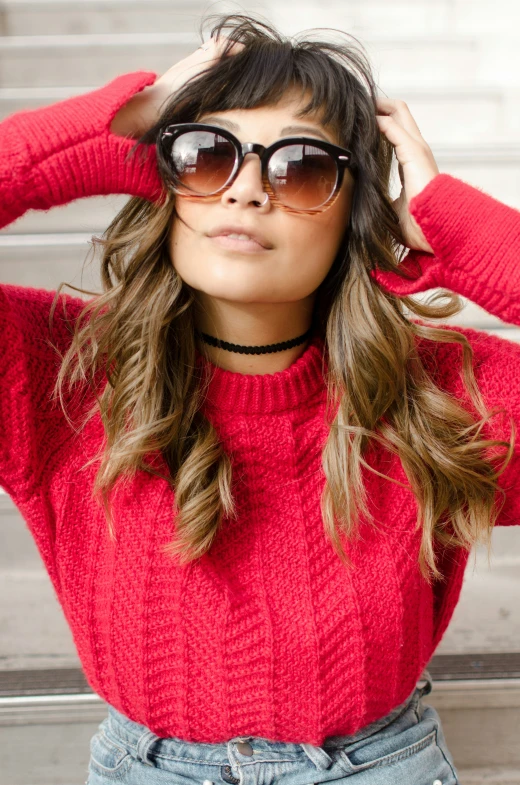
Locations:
{"points": [[417, 166]]}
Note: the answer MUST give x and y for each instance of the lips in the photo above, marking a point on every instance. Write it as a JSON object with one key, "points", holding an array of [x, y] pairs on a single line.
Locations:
{"points": [[227, 229]]}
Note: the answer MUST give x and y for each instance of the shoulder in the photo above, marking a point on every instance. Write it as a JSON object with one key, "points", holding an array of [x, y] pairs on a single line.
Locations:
{"points": [[31, 298], [27, 311]]}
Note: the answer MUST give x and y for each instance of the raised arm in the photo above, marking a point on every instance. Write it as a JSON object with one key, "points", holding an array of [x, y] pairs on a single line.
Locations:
{"points": [[66, 151], [476, 243], [460, 237]]}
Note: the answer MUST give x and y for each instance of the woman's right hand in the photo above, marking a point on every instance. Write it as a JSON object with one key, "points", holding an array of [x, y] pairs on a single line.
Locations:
{"points": [[142, 111]]}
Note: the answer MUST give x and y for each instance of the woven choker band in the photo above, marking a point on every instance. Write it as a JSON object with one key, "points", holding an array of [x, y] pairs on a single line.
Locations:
{"points": [[273, 347]]}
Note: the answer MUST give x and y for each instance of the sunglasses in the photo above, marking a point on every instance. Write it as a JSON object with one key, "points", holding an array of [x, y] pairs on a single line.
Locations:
{"points": [[299, 173]]}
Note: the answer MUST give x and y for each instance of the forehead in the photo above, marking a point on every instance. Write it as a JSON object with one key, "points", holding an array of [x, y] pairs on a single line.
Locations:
{"points": [[284, 116]]}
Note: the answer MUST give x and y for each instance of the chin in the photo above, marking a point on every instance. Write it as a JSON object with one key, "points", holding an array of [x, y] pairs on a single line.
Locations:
{"points": [[225, 288], [242, 296]]}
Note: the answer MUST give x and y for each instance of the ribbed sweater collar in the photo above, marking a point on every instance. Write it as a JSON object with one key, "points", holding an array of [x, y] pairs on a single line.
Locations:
{"points": [[271, 392]]}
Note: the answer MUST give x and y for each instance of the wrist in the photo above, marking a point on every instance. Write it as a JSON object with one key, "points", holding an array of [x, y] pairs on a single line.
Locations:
{"points": [[139, 114]]}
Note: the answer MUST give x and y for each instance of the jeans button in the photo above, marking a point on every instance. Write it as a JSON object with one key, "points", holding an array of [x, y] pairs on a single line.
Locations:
{"points": [[227, 775], [244, 748]]}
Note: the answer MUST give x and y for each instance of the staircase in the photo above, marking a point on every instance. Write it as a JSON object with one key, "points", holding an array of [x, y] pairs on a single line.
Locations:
{"points": [[456, 63]]}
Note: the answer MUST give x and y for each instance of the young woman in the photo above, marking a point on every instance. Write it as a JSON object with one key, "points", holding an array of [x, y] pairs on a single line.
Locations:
{"points": [[254, 479]]}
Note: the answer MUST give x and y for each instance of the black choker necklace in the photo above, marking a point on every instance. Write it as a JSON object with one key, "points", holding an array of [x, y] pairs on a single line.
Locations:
{"points": [[273, 347]]}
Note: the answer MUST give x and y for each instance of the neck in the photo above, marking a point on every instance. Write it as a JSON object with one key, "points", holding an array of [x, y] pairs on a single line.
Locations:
{"points": [[256, 324]]}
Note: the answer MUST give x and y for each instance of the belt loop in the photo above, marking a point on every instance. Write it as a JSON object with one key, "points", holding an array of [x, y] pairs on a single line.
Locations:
{"points": [[143, 746], [426, 688], [318, 756]]}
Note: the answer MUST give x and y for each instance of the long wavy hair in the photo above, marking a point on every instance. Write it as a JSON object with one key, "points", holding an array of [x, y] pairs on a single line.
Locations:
{"points": [[134, 344]]}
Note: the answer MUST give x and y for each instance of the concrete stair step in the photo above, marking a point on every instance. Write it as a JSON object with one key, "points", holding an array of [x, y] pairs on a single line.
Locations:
{"points": [[400, 18], [83, 59], [36, 260], [90, 215], [403, 17], [494, 775], [60, 17], [414, 18], [38, 60]]}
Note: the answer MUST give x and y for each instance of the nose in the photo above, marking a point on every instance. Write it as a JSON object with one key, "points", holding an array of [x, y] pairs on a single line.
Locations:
{"points": [[247, 188]]}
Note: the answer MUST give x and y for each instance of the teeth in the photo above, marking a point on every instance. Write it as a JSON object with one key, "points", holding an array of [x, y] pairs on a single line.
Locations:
{"points": [[239, 236]]}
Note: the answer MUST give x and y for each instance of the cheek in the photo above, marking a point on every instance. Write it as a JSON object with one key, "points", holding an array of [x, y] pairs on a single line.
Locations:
{"points": [[319, 238], [180, 233], [183, 241], [310, 255]]}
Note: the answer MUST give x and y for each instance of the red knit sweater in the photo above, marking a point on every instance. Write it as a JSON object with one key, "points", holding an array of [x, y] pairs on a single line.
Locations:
{"points": [[267, 634]]}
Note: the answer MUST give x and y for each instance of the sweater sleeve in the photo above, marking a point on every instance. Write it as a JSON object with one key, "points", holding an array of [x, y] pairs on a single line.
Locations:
{"points": [[34, 433], [66, 151], [476, 244], [32, 425], [51, 156]]}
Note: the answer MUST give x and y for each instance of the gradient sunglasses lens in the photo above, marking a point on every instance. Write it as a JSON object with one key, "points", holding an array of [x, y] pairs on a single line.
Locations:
{"points": [[202, 161], [302, 176]]}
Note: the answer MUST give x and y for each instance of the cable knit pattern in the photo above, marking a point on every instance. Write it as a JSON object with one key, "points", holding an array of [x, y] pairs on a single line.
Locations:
{"points": [[267, 634]]}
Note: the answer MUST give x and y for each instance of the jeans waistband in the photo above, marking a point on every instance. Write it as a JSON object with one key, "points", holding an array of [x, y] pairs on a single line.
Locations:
{"points": [[139, 740], [337, 742]]}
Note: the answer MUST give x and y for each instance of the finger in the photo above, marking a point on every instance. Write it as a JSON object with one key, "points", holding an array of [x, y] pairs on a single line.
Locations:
{"points": [[209, 53], [401, 114], [216, 46], [407, 148]]}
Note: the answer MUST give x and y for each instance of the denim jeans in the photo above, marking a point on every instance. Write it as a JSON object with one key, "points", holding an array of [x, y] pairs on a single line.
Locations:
{"points": [[407, 747]]}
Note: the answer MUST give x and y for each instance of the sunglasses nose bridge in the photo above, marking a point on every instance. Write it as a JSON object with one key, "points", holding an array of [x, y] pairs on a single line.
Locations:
{"points": [[256, 149], [253, 147]]}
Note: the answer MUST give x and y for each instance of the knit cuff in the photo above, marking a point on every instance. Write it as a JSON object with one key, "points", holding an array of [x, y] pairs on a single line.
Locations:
{"points": [[66, 151], [476, 244]]}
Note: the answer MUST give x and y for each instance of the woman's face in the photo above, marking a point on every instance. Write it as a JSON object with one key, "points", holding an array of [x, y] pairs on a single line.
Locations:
{"points": [[299, 248]]}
